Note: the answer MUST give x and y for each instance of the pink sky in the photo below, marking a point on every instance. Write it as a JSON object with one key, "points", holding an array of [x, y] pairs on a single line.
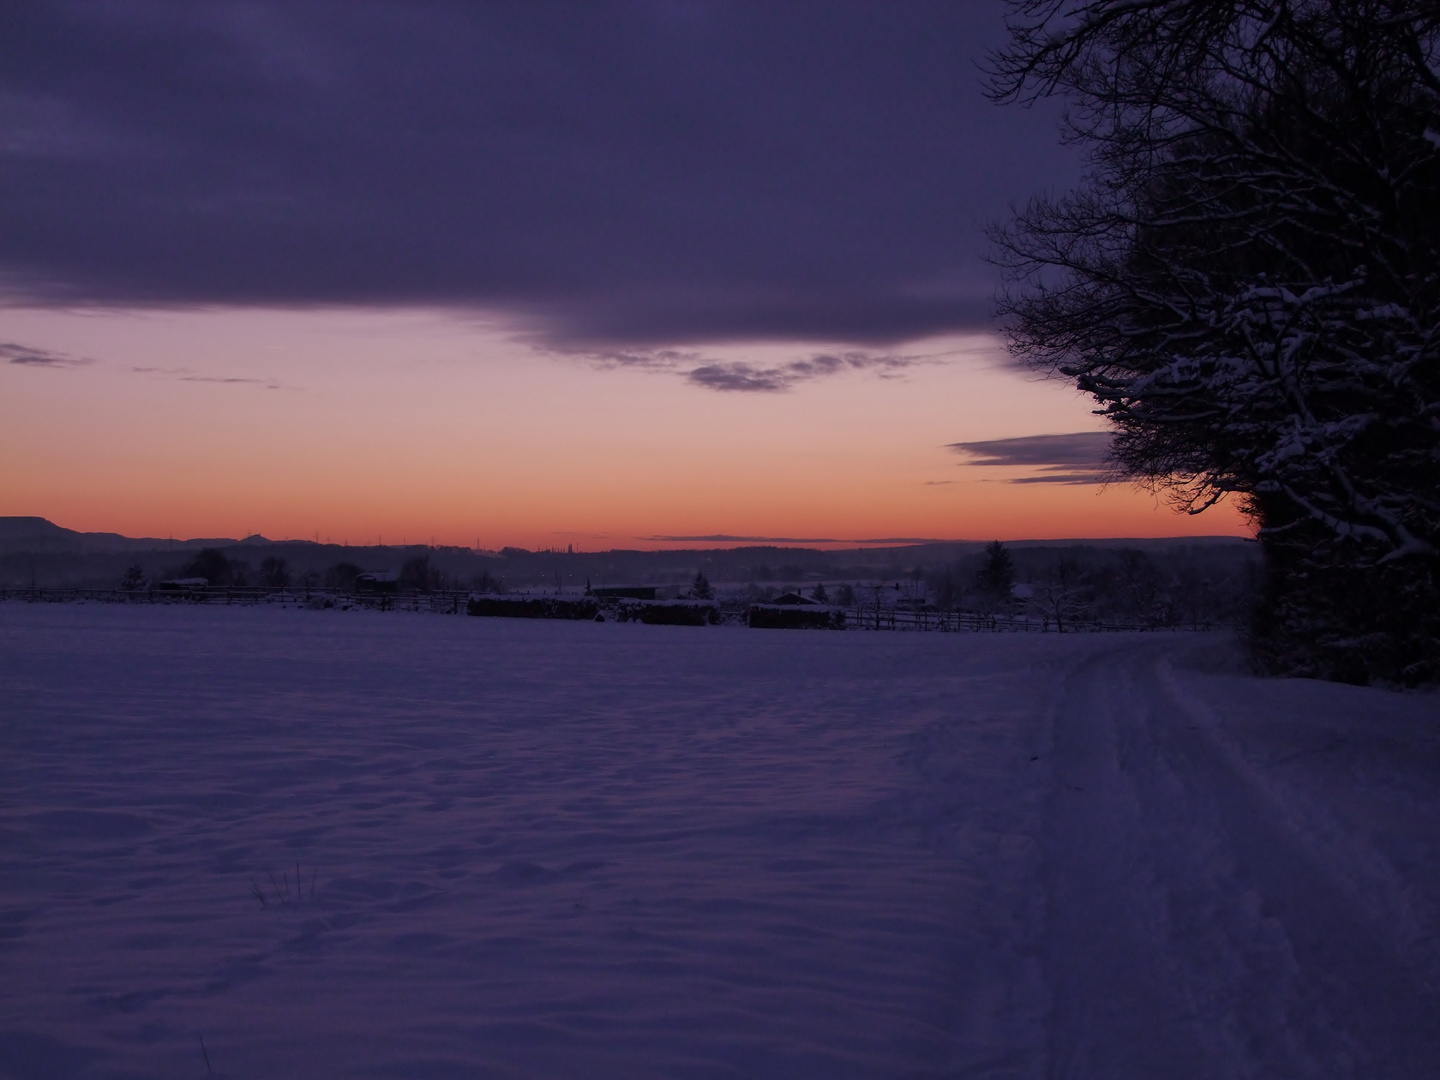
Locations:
{"points": [[419, 425]]}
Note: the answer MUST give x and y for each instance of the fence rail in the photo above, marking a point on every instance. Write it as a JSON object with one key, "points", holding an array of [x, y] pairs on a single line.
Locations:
{"points": [[453, 602], [869, 618], [449, 602]]}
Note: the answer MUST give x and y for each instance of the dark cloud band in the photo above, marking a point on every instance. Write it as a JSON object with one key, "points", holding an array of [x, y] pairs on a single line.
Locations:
{"points": [[29, 356], [184, 374], [621, 173], [1077, 458], [748, 378]]}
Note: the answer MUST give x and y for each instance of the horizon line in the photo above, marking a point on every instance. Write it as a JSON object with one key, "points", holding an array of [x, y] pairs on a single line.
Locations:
{"points": [[731, 540]]}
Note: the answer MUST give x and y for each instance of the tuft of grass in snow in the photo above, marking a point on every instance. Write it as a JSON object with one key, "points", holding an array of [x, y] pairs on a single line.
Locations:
{"points": [[284, 891]]}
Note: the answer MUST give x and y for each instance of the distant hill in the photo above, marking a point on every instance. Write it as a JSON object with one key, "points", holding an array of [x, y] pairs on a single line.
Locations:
{"points": [[21, 530], [26, 535], [36, 551]]}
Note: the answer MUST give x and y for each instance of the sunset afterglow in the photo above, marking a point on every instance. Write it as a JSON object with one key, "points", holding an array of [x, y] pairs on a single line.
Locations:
{"points": [[724, 278], [423, 426]]}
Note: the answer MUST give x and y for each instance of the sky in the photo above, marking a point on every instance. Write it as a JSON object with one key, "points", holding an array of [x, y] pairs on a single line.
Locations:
{"points": [[612, 275]]}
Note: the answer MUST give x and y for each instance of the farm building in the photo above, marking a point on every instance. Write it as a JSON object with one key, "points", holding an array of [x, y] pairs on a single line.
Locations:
{"points": [[806, 615], [508, 606]]}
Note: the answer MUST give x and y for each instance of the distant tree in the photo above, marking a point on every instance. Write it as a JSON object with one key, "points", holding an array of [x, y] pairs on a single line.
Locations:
{"points": [[342, 576], [700, 587], [134, 579], [819, 595], [274, 572], [942, 585], [1064, 595], [484, 583], [418, 574], [212, 565], [1139, 587], [845, 595], [996, 576]]}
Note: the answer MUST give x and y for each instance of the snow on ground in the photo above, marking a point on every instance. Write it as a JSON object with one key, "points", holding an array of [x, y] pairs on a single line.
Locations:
{"points": [[578, 850]]}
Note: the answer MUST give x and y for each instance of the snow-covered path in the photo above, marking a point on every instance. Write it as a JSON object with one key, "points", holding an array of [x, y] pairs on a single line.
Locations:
{"points": [[1240, 876], [566, 850]]}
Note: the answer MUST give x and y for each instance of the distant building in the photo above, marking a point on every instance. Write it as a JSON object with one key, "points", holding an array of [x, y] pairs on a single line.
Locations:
{"points": [[512, 606], [183, 584], [791, 598], [377, 581], [805, 615], [914, 603], [670, 612], [624, 592]]}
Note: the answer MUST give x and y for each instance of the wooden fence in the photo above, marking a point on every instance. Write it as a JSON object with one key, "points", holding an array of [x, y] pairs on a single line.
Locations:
{"points": [[453, 602], [447, 602], [870, 618]]}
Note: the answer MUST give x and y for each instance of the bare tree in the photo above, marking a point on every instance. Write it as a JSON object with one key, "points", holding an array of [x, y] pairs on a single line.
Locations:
{"points": [[274, 572], [1063, 596]]}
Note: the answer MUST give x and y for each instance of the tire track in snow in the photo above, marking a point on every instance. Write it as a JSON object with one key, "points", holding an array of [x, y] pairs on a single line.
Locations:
{"points": [[1330, 978], [1195, 925], [1117, 1009]]}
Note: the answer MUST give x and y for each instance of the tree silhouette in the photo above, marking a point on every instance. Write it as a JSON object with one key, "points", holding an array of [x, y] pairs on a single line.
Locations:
{"points": [[342, 576], [996, 576], [212, 565], [418, 574], [274, 572], [1248, 282]]}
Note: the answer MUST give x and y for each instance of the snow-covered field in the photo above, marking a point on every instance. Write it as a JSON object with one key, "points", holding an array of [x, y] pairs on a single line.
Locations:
{"points": [[580, 850]]}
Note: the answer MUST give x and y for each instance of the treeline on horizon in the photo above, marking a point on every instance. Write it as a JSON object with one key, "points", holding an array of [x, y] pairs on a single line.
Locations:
{"points": [[1180, 583]]}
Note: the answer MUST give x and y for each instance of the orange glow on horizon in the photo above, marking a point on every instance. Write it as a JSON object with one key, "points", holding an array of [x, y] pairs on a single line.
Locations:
{"points": [[420, 427]]}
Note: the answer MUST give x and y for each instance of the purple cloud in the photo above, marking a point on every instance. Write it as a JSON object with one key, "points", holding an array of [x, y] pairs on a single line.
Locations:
{"points": [[1077, 458], [29, 356], [736, 375], [611, 175]]}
